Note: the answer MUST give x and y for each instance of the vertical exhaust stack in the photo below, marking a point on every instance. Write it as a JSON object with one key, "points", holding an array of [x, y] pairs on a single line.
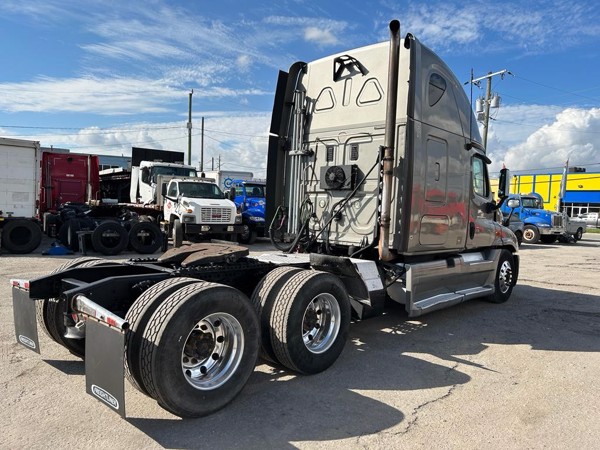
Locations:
{"points": [[389, 139]]}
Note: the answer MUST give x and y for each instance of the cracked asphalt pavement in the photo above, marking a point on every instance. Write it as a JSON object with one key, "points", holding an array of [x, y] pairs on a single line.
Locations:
{"points": [[523, 374]]}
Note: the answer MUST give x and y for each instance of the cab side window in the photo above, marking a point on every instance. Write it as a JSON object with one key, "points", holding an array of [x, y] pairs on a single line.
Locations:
{"points": [[481, 182], [172, 190]]}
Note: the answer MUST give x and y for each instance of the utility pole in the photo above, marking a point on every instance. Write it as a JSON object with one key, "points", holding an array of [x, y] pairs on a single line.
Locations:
{"points": [[489, 101], [202, 149], [189, 127]]}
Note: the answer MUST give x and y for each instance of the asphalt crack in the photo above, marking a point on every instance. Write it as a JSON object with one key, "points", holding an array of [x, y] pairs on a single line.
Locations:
{"points": [[415, 413]]}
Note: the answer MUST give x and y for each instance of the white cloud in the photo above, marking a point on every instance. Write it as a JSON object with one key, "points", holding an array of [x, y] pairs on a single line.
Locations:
{"points": [[444, 25], [136, 49], [104, 96], [323, 32], [240, 139], [243, 62], [499, 26], [574, 134], [320, 36]]}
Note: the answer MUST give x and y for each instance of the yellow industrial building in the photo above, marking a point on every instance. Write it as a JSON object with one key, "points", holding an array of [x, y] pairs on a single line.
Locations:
{"points": [[582, 192]]}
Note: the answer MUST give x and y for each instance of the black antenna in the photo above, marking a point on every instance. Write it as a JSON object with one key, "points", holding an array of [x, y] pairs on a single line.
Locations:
{"points": [[471, 118]]}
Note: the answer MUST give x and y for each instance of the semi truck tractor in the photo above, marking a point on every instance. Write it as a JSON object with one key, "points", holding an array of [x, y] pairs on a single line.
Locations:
{"points": [[377, 191], [541, 225], [249, 197]]}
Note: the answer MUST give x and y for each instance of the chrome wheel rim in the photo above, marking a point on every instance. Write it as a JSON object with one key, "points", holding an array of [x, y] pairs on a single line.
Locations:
{"points": [[212, 351], [321, 323], [505, 277]]}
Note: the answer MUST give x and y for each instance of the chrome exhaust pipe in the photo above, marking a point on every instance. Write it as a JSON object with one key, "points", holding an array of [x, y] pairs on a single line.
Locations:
{"points": [[389, 139]]}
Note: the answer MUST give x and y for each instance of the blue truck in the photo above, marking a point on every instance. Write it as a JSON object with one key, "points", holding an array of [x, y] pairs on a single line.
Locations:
{"points": [[543, 225], [249, 197]]}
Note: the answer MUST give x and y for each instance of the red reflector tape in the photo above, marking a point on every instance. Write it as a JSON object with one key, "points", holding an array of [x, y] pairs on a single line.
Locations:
{"points": [[111, 322], [23, 284]]}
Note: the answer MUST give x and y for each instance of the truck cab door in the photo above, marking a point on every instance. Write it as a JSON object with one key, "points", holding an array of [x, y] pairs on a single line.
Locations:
{"points": [[481, 230], [169, 203]]}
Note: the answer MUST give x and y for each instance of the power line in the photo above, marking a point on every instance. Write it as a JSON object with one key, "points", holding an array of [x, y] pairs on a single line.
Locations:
{"points": [[555, 88], [238, 134]]}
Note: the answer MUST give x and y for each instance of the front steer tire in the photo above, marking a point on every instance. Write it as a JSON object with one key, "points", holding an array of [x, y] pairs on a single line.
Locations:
{"points": [[177, 233], [531, 235], [506, 278], [199, 349], [248, 236]]}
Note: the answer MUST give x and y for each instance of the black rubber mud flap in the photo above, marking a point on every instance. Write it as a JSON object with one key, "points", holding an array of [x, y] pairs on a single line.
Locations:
{"points": [[25, 319], [104, 369]]}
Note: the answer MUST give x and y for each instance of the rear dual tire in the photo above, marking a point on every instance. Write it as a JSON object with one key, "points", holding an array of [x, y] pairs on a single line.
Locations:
{"points": [[199, 348], [138, 316], [305, 316]]}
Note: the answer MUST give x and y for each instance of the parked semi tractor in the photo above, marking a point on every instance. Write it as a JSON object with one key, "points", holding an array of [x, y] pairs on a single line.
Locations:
{"points": [[20, 228], [248, 193], [249, 197], [362, 169], [543, 225]]}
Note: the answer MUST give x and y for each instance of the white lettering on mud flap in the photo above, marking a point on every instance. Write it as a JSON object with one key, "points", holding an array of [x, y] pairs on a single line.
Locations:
{"points": [[105, 396], [26, 341]]}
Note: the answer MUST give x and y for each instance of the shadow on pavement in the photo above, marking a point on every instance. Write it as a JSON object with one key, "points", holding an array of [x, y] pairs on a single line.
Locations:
{"points": [[331, 405]]}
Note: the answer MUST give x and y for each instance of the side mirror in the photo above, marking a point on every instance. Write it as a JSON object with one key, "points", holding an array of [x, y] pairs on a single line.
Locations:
{"points": [[513, 203], [231, 193], [163, 190], [504, 183]]}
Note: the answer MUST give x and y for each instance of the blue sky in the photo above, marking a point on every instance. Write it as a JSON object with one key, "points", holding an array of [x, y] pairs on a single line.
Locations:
{"points": [[101, 76]]}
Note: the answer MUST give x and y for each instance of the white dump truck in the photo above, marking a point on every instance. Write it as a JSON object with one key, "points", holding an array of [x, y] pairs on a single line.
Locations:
{"points": [[377, 191]]}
